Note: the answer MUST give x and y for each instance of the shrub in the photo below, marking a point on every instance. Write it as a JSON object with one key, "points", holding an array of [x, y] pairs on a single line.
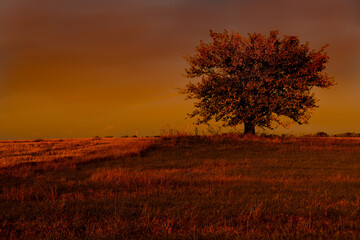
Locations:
{"points": [[321, 134]]}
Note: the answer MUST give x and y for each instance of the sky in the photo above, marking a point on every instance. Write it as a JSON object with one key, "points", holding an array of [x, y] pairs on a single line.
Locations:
{"points": [[84, 68]]}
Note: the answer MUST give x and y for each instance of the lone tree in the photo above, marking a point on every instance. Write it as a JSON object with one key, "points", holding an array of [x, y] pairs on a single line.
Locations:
{"points": [[255, 80]]}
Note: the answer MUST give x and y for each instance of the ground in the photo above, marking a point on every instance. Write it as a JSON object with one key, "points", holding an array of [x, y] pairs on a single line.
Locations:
{"points": [[180, 187]]}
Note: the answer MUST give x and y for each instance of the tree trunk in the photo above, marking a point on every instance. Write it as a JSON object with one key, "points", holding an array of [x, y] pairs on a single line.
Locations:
{"points": [[249, 128]]}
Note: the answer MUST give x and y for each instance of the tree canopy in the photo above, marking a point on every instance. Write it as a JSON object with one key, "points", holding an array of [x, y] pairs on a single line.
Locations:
{"points": [[255, 80]]}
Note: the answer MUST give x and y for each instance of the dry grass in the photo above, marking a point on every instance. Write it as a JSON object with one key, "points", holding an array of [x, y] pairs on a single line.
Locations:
{"points": [[35, 151], [183, 187]]}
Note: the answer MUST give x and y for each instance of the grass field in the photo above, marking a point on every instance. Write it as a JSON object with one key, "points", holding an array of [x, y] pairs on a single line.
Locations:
{"points": [[208, 187]]}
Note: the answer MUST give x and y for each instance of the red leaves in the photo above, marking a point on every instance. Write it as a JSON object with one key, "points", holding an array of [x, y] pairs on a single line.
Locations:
{"points": [[255, 78]]}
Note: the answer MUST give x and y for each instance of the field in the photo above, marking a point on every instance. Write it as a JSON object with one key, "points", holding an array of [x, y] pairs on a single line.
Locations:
{"points": [[184, 187]]}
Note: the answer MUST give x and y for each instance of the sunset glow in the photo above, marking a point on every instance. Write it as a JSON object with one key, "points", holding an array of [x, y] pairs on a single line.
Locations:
{"points": [[112, 68]]}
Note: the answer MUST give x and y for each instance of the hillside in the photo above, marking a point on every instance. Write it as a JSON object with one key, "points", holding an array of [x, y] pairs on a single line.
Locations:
{"points": [[212, 187]]}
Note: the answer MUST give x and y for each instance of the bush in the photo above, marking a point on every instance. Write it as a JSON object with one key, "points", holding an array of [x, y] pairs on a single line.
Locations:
{"points": [[348, 134], [96, 138], [321, 134]]}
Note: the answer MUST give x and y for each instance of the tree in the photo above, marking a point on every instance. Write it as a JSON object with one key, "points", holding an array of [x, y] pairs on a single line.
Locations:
{"points": [[255, 81]]}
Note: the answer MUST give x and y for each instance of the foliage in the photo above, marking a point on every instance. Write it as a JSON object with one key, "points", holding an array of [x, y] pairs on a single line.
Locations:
{"points": [[255, 80], [348, 134], [321, 134]]}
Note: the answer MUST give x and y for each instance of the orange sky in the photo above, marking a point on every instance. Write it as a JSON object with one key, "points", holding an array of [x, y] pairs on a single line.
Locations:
{"points": [[80, 68]]}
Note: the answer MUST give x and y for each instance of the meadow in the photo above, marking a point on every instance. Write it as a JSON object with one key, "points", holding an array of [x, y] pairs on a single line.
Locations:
{"points": [[181, 187]]}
